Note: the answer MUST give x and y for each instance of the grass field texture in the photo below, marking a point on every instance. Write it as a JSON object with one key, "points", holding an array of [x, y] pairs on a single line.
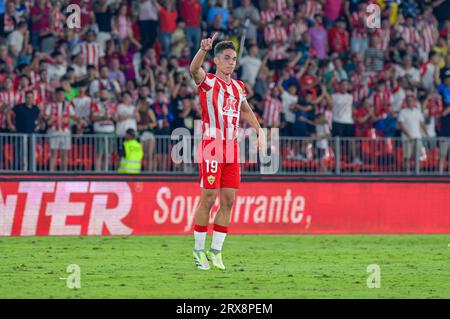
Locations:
{"points": [[258, 266]]}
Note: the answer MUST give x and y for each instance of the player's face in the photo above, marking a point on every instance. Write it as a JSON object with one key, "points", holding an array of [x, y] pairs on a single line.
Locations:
{"points": [[226, 61]]}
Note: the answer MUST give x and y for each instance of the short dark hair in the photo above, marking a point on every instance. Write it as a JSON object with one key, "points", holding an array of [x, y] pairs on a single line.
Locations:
{"points": [[56, 53], [432, 54], [21, 24], [223, 45], [131, 132], [82, 83], [126, 93]]}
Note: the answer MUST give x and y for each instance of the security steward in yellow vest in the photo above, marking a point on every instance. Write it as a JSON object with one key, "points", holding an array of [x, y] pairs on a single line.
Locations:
{"points": [[132, 154]]}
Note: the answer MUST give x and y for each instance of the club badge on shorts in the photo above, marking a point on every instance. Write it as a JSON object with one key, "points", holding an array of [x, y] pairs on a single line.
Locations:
{"points": [[211, 179]]}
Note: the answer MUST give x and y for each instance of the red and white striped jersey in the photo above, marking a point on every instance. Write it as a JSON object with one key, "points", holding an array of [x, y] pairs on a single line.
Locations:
{"points": [[92, 52], [58, 20], [267, 16], [61, 113], [409, 34], [34, 78], [46, 92], [311, 8], [360, 87], [221, 105], [428, 34], [280, 5], [296, 30], [385, 37], [9, 98], [277, 34], [358, 25], [272, 111], [381, 101]]}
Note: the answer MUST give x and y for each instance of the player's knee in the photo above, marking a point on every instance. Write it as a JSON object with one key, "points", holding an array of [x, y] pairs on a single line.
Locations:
{"points": [[227, 203], [208, 202]]}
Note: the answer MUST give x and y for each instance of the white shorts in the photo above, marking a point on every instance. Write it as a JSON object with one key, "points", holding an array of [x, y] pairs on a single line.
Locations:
{"points": [[60, 141], [145, 136]]}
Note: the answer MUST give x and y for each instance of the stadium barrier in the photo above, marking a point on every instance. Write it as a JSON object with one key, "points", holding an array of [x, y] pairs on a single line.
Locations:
{"points": [[94, 153], [48, 205]]}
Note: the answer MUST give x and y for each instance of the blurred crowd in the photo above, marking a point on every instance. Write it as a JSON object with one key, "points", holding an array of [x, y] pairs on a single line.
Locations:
{"points": [[312, 68]]}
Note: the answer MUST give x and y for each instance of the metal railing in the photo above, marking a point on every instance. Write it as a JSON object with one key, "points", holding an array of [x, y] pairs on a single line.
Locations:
{"points": [[333, 156]]}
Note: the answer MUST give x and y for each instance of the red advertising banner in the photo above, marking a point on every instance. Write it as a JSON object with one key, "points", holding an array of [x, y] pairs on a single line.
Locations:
{"points": [[95, 207]]}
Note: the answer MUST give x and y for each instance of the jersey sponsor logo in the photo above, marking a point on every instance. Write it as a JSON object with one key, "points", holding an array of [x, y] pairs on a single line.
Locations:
{"points": [[211, 179], [230, 105]]}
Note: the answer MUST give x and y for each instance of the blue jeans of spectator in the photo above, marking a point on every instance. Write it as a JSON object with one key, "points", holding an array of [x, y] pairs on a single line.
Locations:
{"points": [[193, 35], [35, 41], [165, 41], [359, 45]]}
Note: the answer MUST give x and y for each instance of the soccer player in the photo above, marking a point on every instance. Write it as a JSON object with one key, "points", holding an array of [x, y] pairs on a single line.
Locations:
{"points": [[222, 101]]}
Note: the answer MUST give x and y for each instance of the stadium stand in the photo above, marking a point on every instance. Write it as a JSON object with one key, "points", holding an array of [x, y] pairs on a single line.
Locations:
{"points": [[345, 97]]}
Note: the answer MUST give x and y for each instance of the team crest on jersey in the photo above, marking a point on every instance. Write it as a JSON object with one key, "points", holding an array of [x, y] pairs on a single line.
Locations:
{"points": [[211, 179], [230, 105]]}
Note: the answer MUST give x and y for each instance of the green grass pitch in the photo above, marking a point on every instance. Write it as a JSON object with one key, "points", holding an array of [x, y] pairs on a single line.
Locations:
{"points": [[258, 266]]}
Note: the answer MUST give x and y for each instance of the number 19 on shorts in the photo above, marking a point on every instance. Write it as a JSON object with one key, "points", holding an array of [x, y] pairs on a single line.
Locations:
{"points": [[211, 166]]}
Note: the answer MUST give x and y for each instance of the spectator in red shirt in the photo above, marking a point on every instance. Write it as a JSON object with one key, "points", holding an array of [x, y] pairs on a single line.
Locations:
{"points": [[40, 24], [308, 78], [190, 11], [338, 38], [167, 23], [364, 117]]}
